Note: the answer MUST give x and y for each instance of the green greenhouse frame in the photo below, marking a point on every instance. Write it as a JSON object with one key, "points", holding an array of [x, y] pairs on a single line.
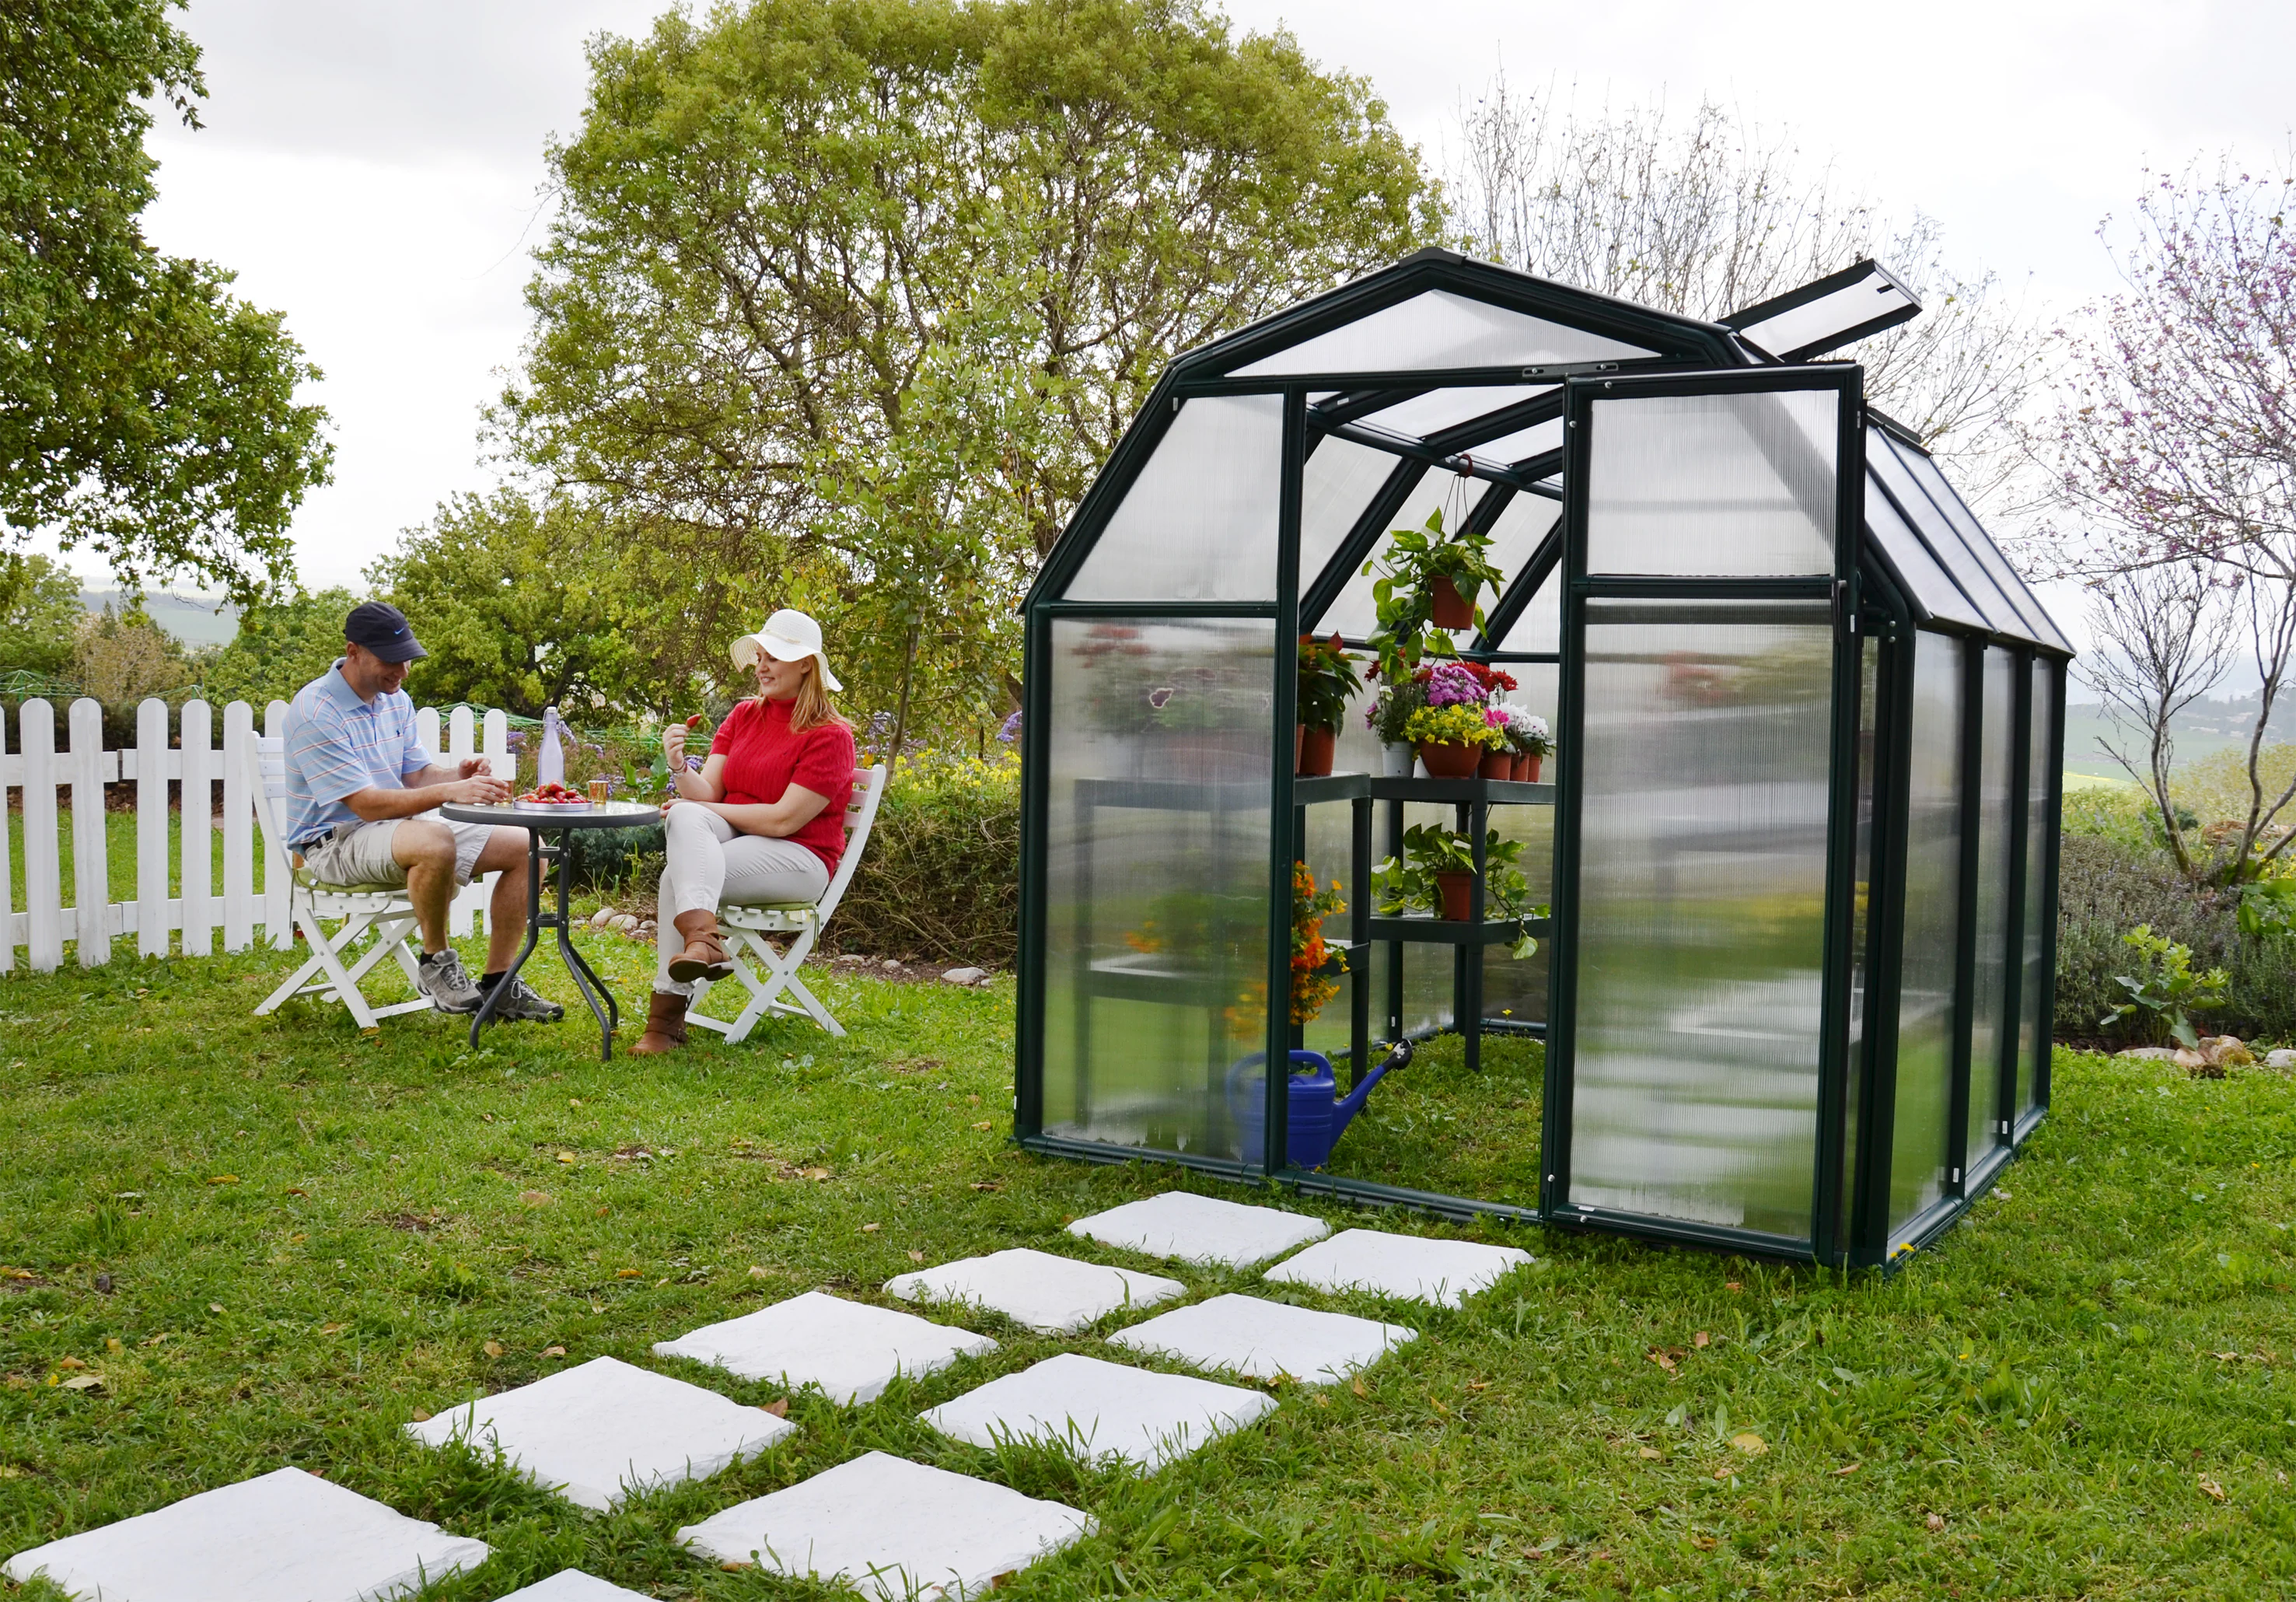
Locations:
{"points": [[1796, 981]]}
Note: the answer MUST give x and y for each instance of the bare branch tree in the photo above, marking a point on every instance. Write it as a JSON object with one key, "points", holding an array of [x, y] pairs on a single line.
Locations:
{"points": [[1709, 213], [2164, 638]]}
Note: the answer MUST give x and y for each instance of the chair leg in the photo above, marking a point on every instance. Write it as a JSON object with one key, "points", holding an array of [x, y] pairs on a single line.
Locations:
{"points": [[785, 971], [388, 932]]}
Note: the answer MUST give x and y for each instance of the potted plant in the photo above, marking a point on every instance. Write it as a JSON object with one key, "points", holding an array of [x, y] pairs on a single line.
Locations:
{"points": [[1312, 989], [1327, 678], [1437, 873], [1530, 740], [1452, 731], [1387, 717], [1429, 577]]}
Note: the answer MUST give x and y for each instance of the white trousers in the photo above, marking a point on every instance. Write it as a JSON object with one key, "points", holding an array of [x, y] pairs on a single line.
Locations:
{"points": [[708, 864]]}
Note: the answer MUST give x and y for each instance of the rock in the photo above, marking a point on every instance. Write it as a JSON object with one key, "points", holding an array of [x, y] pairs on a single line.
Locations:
{"points": [[892, 964], [967, 977], [2156, 1053], [602, 917], [2282, 1059], [2227, 1051], [624, 922]]}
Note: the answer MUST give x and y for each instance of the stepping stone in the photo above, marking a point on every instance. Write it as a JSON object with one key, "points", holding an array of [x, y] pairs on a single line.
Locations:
{"points": [[1103, 1410], [850, 1349], [1197, 1228], [1051, 1296], [572, 1585], [1260, 1340], [598, 1432], [286, 1536], [890, 1529], [1409, 1268]]}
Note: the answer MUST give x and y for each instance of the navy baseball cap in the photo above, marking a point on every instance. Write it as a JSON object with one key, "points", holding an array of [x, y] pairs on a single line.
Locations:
{"points": [[382, 628]]}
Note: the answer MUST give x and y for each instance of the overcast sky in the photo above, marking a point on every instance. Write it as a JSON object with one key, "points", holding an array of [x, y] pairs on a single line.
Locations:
{"points": [[374, 170]]}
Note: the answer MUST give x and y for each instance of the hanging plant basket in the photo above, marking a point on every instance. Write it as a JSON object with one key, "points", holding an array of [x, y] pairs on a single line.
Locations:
{"points": [[1452, 611]]}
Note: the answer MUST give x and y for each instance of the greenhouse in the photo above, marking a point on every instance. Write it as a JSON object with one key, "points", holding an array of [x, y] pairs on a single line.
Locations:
{"points": [[1680, 715]]}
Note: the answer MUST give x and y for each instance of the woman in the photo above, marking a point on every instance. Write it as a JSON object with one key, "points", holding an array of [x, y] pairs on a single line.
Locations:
{"points": [[763, 821]]}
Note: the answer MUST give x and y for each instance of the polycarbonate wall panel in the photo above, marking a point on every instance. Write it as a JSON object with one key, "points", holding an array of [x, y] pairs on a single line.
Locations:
{"points": [[1540, 625], [1436, 329], [1702, 910], [1869, 669], [1156, 899], [1998, 813], [1355, 613], [1926, 584], [1732, 485], [2035, 1025], [1199, 521], [1920, 1146], [1337, 485]]}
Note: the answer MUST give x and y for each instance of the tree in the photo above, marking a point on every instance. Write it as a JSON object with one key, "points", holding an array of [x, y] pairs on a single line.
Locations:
{"points": [[514, 601], [848, 299], [2173, 443], [1710, 214], [120, 658], [39, 622], [144, 412], [282, 646]]}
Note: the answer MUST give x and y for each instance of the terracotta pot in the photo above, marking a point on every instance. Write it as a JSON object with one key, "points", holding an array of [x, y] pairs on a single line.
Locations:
{"points": [[1530, 766], [1452, 611], [1521, 766], [1458, 896], [1495, 765], [1450, 761], [1313, 752]]}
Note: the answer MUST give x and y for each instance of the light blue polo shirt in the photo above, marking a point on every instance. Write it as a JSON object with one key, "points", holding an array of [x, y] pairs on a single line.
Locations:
{"points": [[337, 745]]}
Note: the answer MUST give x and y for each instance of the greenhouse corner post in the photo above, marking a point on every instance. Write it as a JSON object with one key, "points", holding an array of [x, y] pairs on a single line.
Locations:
{"points": [[1885, 927], [1284, 715], [2053, 828], [2013, 975], [1035, 748], [1563, 930], [1835, 964]]}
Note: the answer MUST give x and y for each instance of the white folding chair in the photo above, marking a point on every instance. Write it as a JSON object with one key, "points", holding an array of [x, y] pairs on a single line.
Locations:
{"points": [[745, 929], [379, 910]]}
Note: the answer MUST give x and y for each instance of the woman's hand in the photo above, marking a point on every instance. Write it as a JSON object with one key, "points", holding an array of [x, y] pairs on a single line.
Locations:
{"points": [[673, 747]]}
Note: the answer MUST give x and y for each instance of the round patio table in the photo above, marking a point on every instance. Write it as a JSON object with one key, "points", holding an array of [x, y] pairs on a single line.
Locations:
{"points": [[546, 828]]}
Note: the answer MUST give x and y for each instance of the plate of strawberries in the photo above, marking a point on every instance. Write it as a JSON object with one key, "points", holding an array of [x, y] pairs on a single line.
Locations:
{"points": [[552, 798]]}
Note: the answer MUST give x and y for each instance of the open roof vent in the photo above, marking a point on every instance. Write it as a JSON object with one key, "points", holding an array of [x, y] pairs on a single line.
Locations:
{"points": [[1862, 299]]}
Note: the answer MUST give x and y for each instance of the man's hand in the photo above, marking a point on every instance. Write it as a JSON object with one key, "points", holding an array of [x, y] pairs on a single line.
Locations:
{"points": [[475, 791], [473, 767]]}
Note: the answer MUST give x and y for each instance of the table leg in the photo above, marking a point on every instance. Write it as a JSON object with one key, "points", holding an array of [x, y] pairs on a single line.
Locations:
{"points": [[586, 978], [486, 1013]]}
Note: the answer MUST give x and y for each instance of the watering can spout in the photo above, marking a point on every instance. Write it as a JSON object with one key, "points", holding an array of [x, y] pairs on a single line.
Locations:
{"points": [[1345, 1109]]}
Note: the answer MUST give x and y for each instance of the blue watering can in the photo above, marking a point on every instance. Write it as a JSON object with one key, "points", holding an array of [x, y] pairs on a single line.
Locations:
{"points": [[1318, 1115]]}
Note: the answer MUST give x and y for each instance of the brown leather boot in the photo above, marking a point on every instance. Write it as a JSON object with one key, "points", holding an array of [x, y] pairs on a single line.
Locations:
{"points": [[704, 957], [665, 1028]]}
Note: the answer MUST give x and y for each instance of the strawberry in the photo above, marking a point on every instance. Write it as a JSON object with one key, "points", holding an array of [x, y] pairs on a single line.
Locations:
{"points": [[694, 721]]}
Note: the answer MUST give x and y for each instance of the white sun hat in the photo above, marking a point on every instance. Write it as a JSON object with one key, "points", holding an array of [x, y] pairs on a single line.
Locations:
{"points": [[789, 635]]}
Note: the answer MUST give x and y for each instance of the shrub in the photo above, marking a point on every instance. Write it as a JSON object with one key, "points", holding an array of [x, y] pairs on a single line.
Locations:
{"points": [[940, 881]]}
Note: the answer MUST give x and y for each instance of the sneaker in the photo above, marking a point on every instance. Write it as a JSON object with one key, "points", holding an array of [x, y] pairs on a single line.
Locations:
{"points": [[521, 1001], [443, 979]]}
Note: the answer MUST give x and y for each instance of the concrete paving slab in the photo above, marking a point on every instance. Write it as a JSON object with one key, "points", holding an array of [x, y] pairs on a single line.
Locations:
{"points": [[1103, 1410], [286, 1536], [1261, 1340], [850, 1349], [1410, 1267], [891, 1529], [599, 1431], [1052, 1295], [1196, 1228], [572, 1585]]}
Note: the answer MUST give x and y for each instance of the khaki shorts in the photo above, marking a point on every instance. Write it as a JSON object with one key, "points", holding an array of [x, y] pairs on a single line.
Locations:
{"points": [[360, 853]]}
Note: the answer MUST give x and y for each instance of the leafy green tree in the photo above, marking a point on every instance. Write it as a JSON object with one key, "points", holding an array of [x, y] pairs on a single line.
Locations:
{"points": [[515, 604], [144, 412], [847, 299], [41, 618], [281, 646], [121, 657]]}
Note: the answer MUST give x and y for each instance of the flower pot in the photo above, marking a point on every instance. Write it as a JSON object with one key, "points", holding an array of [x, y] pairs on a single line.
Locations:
{"points": [[1396, 759], [1452, 610], [1495, 765], [1312, 751], [1451, 761], [1528, 772], [1458, 896]]}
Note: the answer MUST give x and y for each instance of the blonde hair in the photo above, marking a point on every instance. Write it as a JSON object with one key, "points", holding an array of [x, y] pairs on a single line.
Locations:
{"points": [[812, 707]]}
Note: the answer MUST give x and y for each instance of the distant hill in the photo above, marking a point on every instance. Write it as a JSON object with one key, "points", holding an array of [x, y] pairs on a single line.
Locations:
{"points": [[194, 620], [2205, 728]]}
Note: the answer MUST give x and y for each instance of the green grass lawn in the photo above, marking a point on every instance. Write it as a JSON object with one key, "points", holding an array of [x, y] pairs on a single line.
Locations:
{"points": [[309, 1236]]}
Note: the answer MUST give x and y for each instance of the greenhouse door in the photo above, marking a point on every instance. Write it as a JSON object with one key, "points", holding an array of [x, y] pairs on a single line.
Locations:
{"points": [[1703, 879]]}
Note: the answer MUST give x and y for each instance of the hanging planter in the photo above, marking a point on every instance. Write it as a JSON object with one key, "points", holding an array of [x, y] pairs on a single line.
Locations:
{"points": [[1450, 610]]}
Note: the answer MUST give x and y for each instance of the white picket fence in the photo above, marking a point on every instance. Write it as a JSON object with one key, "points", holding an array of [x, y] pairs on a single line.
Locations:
{"points": [[247, 900]]}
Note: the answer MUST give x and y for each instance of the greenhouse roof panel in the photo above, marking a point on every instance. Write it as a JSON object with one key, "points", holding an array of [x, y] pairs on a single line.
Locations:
{"points": [[1862, 299], [1436, 330]]}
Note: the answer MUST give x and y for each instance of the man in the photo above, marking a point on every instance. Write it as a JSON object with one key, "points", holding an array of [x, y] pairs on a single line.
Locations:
{"points": [[361, 803]]}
